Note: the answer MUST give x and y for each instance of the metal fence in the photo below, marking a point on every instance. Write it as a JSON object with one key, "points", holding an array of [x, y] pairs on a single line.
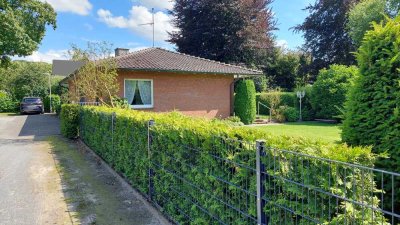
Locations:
{"points": [[194, 182]]}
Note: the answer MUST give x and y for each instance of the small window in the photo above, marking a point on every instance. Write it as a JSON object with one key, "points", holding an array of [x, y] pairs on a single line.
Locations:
{"points": [[139, 93]]}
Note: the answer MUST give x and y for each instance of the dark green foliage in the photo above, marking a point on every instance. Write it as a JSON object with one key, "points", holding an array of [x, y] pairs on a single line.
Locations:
{"points": [[183, 145], [287, 69], [245, 101], [69, 120], [55, 103], [7, 104], [372, 110], [232, 31], [329, 91], [325, 33], [23, 25], [291, 114]]}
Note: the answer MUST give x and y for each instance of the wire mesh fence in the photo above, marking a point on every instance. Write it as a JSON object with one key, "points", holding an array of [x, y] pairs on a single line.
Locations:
{"points": [[218, 180]]}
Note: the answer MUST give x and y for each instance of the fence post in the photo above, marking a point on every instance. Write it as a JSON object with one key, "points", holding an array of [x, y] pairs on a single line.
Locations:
{"points": [[261, 217], [150, 170]]}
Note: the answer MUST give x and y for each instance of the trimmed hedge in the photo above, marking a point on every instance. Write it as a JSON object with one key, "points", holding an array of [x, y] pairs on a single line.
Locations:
{"points": [[245, 101], [69, 120], [183, 146]]}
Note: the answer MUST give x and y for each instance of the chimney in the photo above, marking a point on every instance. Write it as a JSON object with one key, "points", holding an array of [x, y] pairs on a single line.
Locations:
{"points": [[121, 51]]}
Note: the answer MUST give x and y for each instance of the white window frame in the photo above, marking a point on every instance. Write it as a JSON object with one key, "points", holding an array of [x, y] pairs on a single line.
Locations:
{"points": [[152, 95]]}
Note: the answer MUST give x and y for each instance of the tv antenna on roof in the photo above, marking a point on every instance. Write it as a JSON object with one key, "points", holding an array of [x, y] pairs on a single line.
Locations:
{"points": [[152, 23]]}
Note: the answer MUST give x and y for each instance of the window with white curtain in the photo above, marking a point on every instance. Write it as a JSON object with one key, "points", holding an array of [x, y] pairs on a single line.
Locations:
{"points": [[139, 93]]}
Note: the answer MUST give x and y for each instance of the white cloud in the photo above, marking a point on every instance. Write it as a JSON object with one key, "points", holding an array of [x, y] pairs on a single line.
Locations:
{"points": [[139, 15], [282, 43], [81, 7], [158, 4], [45, 56]]}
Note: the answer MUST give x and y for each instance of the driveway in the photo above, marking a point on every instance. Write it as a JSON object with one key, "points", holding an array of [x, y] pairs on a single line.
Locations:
{"points": [[46, 179], [30, 186]]}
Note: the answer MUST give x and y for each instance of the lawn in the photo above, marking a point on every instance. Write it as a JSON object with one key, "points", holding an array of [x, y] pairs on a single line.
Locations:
{"points": [[314, 130]]}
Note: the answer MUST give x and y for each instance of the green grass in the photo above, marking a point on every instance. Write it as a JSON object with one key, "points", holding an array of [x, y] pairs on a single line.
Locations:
{"points": [[313, 130]]}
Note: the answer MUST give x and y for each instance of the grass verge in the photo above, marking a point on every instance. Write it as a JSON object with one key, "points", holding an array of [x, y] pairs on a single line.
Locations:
{"points": [[93, 194], [311, 130]]}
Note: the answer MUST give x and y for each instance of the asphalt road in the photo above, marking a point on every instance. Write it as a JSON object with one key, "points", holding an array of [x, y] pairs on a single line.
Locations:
{"points": [[30, 186]]}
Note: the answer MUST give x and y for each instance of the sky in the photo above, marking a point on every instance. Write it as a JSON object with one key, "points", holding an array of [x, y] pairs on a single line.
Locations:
{"points": [[119, 23]]}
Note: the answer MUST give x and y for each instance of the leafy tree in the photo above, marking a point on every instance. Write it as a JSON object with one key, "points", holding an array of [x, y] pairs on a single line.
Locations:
{"points": [[325, 33], [22, 26], [329, 91], [373, 109], [232, 31], [23, 78], [288, 69], [245, 101], [97, 79], [364, 13]]}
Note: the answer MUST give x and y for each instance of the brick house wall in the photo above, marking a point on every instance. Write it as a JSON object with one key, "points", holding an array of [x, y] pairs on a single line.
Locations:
{"points": [[200, 95]]}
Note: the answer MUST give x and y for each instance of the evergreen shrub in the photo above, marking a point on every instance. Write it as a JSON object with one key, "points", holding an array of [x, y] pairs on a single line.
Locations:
{"points": [[69, 120], [372, 115], [183, 146], [245, 101]]}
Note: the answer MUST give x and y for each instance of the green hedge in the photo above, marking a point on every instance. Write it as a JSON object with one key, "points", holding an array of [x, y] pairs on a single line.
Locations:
{"points": [[69, 120], [182, 145], [245, 101], [55, 103]]}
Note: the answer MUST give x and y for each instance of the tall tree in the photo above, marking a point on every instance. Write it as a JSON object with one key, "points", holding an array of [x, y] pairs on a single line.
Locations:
{"points": [[362, 15], [23, 26], [325, 33], [233, 31]]}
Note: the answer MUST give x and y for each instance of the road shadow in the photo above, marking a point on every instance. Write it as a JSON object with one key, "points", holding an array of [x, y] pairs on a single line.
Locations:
{"points": [[40, 126]]}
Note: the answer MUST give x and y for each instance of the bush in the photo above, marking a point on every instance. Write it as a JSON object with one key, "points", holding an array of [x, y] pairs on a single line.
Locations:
{"points": [[245, 101], [330, 90], [268, 99], [69, 120], [291, 114], [7, 104], [55, 103], [233, 121], [373, 109], [183, 145], [288, 99]]}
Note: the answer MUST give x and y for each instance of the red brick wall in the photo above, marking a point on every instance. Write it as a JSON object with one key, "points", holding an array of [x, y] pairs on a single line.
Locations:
{"points": [[194, 95]]}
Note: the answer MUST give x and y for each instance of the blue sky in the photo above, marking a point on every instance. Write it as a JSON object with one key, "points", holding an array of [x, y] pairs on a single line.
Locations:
{"points": [[118, 22]]}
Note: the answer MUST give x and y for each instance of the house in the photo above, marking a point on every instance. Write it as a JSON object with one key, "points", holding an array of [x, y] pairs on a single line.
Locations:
{"points": [[160, 80]]}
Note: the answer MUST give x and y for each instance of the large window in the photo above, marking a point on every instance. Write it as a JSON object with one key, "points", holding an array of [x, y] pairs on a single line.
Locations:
{"points": [[139, 93]]}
